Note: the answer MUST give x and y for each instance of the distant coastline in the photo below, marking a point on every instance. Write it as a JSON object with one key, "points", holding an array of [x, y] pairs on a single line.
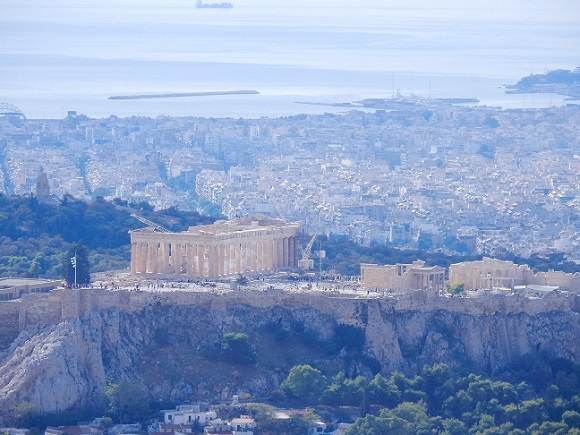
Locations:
{"points": [[182, 94], [561, 82]]}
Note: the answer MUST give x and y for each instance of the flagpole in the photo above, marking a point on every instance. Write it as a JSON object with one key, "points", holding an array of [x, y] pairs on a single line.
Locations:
{"points": [[75, 268]]}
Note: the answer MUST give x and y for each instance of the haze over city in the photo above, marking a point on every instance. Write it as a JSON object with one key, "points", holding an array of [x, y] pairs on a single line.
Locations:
{"points": [[307, 217]]}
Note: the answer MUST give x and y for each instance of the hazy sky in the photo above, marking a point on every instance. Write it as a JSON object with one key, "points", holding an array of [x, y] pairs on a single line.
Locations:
{"points": [[88, 50], [542, 10]]}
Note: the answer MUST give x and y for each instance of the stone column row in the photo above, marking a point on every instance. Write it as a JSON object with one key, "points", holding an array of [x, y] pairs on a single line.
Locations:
{"points": [[426, 280], [219, 258]]}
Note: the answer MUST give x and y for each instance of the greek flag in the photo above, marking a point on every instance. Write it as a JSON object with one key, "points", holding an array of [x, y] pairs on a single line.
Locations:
{"points": [[73, 261]]}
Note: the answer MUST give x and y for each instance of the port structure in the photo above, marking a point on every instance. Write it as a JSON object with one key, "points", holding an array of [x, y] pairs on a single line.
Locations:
{"points": [[10, 109]]}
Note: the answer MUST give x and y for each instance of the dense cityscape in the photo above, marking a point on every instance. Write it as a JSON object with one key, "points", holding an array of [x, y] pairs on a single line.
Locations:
{"points": [[289, 218], [422, 173]]}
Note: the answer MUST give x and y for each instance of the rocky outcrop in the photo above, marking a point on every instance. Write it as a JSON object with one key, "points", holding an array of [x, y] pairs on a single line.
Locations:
{"points": [[170, 348]]}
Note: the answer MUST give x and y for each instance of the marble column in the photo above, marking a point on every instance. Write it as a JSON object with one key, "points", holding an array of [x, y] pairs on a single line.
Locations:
{"points": [[233, 269], [213, 260], [183, 259], [280, 246], [267, 255], [273, 245], [134, 257], [238, 257], [232, 266], [203, 260], [143, 257], [152, 253], [260, 256], [292, 252], [189, 259], [275, 253], [225, 260], [164, 254], [252, 249], [285, 253], [198, 260]]}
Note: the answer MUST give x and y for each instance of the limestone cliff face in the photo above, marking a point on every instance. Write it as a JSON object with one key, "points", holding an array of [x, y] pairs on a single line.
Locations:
{"points": [[170, 348]]}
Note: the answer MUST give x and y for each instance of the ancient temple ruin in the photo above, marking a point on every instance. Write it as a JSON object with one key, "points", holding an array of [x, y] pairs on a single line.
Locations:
{"points": [[224, 248]]}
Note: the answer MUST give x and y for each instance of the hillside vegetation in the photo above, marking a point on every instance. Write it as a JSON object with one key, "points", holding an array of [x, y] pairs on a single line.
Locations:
{"points": [[35, 235]]}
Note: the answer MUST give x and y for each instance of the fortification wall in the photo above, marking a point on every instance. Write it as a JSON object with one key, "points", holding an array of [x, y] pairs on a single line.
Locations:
{"points": [[568, 281], [61, 304], [40, 309], [9, 327]]}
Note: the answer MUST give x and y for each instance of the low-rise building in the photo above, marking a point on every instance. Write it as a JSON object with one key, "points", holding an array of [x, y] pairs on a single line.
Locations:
{"points": [[14, 288], [244, 425], [188, 414], [71, 430]]}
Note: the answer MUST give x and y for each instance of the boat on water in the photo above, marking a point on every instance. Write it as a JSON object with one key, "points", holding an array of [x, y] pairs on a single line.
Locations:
{"points": [[222, 5]]}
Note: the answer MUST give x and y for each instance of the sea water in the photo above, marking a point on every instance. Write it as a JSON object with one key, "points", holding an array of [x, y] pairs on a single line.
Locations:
{"points": [[74, 54]]}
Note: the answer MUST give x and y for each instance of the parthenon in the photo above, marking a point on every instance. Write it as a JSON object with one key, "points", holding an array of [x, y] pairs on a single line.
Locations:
{"points": [[224, 248]]}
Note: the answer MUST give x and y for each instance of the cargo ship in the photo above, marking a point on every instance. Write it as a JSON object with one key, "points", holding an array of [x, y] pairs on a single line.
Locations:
{"points": [[222, 5]]}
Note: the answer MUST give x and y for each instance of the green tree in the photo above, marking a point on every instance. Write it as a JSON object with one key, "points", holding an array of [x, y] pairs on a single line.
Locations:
{"points": [[531, 411], [414, 413], [304, 382], [344, 391], [126, 402], [505, 392], [454, 289], [504, 429], [236, 347], [571, 418], [453, 426], [485, 422], [438, 385], [79, 256], [24, 414], [411, 388], [548, 428], [458, 404], [384, 391], [407, 418], [370, 425]]}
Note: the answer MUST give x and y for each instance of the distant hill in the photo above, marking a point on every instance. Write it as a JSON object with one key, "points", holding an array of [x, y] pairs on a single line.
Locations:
{"points": [[562, 82]]}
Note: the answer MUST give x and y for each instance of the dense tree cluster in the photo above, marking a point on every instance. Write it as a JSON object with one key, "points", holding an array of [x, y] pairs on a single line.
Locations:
{"points": [[236, 347], [439, 401], [35, 236], [75, 265], [125, 402]]}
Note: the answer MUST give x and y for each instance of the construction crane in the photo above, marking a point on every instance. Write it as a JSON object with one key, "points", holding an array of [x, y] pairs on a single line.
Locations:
{"points": [[306, 261], [147, 222]]}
